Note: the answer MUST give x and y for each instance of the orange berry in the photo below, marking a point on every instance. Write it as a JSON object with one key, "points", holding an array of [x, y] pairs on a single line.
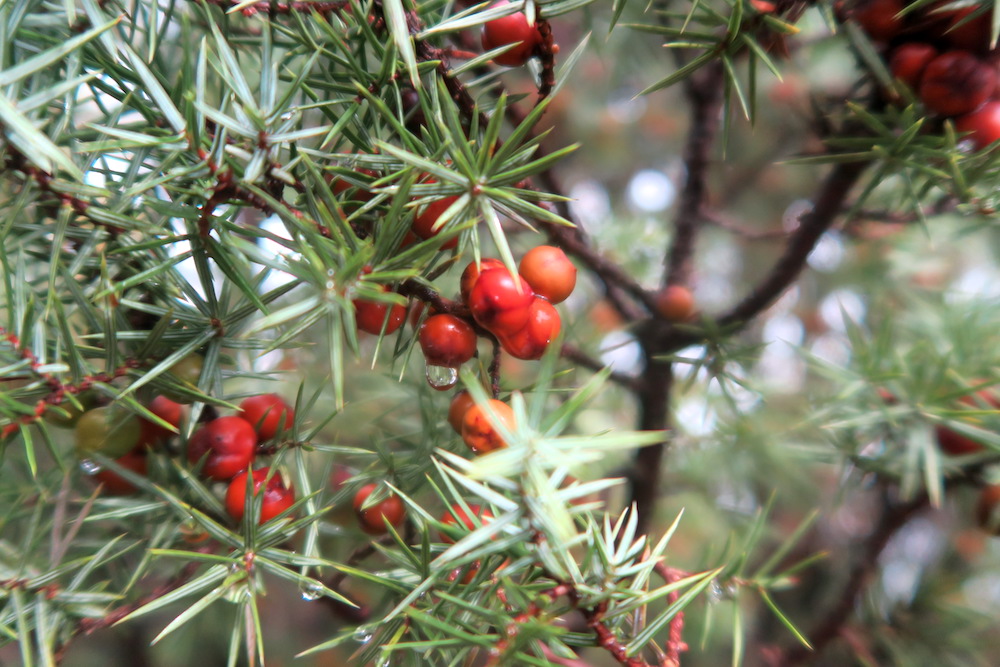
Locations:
{"points": [[675, 303], [478, 430], [549, 272], [460, 404]]}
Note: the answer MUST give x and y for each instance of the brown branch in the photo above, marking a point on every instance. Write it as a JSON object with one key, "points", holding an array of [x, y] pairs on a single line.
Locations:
{"points": [[828, 629], [534, 610], [494, 369], [704, 94], [812, 225], [605, 638]]}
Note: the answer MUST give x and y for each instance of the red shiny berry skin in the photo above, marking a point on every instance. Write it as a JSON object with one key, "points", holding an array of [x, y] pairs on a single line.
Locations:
{"points": [[957, 444], [459, 405], [266, 413], [230, 444], [151, 433], [879, 18], [909, 61], [498, 305], [471, 274], [369, 315], [478, 431], [956, 83], [542, 328], [983, 124], [373, 519], [447, 340], [457, 515], [423, 223], [509, 30], [549, 272], [116, 485], [969, 32], [277, 497], [339, 186]]}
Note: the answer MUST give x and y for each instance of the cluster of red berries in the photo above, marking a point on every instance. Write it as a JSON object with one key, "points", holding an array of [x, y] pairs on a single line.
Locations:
{"points": [[226, 447], [943, 55], [517, 309]]}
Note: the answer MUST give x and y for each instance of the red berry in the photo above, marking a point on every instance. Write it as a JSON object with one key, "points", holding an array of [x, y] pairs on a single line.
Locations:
{"points": [[983, 124], [956, 444], [955, 83], [339, 186], [675, 303], [507, 30], [115, 484], [460, 404], [987, 514], [457, 515], [909, 61], [447, 340], [471, 274], [549, 272], [879, 18], [277, 497], [266, 413], [542, 328], [168, 411], [969, 32], [478, 431], [370, 315], [500, 302], [229, 445], [423, 223], [373, 519]]}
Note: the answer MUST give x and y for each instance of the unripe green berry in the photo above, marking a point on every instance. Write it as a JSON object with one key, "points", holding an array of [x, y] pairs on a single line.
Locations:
{"points": [[110, 430]]}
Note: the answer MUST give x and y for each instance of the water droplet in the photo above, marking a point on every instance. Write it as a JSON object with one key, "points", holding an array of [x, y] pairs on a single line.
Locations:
{"points": [[89, 467], [715, 591], [362, 636], [311, 591], [442, 378], [330, 272], [329, 284]]}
